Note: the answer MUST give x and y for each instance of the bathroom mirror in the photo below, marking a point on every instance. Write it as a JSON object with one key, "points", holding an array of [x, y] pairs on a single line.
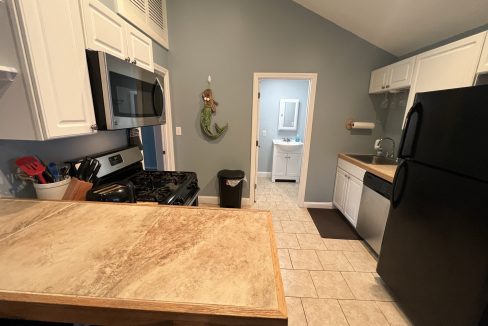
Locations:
{"points": [[288, 117]]}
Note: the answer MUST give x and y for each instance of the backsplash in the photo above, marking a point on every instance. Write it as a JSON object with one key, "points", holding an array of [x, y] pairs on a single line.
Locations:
{"points": [[58, 150], [391, 110]]}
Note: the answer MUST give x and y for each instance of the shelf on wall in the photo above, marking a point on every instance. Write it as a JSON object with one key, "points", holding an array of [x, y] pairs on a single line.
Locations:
{"points": [[7, 73]]}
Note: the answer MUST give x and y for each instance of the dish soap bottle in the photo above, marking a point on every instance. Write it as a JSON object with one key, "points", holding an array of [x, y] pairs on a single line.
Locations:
{"points": [[297, 138]]}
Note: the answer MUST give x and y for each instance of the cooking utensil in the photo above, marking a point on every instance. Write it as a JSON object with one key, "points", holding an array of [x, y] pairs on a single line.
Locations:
{"points": [[46, 174], [92, 164], [93, 176], [53, 169], [31, 166], [83, 169]]}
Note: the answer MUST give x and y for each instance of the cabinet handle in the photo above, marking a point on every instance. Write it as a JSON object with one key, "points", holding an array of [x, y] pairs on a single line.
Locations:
{"points": [[94, 127], [134, 61], [127, 59]]}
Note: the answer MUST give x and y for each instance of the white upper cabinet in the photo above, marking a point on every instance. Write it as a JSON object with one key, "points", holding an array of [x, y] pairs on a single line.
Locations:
{"points": [[104, 30], [50, 45], [401, 74], [450, 66], [108, 32], [392, 77], [483, 66], [379, 79], [150, 16], [139, 48]]}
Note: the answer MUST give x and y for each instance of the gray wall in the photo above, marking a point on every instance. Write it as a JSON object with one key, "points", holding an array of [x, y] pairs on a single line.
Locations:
{"points": [[272, 91], [232, 39]]}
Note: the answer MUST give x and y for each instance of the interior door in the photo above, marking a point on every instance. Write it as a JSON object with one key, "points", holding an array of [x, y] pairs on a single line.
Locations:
{"points": [[257, 147]]}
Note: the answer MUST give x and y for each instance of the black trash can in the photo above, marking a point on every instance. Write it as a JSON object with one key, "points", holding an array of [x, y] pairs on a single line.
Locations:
{"points": [[230, 193]]}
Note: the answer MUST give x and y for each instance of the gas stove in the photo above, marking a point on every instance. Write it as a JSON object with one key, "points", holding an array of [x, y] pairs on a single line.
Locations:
{"points": [[124, 169], [166, 187]]}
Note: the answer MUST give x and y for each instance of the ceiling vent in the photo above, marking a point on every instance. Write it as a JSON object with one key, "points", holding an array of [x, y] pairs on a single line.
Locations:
{"points": [[149, 16]]}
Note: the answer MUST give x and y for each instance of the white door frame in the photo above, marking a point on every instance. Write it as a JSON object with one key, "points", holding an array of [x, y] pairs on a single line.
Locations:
{"points": [[168, 159], [312, 77]]}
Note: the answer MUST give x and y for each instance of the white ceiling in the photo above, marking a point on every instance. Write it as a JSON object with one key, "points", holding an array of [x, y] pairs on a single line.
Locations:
{"points": [[402, 26]]}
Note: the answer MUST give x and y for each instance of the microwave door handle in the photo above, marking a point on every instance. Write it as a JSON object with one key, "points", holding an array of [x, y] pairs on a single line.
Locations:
{"points": [[156, 84]]}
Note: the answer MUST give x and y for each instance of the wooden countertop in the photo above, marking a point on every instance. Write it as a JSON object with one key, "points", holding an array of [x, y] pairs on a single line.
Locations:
{"points": [[386, 172], [100, 263]]}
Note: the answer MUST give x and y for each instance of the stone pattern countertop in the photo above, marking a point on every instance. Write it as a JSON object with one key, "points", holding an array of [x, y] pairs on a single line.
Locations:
{"points": [[98, 263], [386, 172]]}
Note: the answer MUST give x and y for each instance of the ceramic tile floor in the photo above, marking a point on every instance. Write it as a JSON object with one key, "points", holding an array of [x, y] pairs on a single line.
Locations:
{"points": [[327, 281]]}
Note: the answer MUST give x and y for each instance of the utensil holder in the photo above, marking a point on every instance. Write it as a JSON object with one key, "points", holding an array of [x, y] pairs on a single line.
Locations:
{"points": [[52, 191]]}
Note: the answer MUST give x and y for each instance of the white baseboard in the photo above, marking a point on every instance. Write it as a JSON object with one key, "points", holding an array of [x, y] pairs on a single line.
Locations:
{"points": [[214, 200], [325, 205], [264, 174]]}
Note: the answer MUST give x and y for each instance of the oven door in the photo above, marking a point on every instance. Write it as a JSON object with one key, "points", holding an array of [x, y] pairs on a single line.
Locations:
{"points": [[125, 95]]}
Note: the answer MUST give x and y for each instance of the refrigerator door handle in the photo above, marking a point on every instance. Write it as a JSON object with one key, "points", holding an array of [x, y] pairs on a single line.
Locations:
{"points": [[399, 184], [408, 141]]}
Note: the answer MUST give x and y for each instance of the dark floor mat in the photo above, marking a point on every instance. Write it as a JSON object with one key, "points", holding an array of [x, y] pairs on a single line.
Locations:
{"points": [[332, 224]]}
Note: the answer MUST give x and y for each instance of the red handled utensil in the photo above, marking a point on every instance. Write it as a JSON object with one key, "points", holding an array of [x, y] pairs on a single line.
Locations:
{"points": [[31, 166]]}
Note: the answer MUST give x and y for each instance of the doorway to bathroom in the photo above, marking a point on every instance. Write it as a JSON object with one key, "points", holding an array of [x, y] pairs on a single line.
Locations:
{"points": [[283, 105]]}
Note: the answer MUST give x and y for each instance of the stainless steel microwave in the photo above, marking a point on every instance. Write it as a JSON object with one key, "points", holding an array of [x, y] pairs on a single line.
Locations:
{"points": [[124, 95]]}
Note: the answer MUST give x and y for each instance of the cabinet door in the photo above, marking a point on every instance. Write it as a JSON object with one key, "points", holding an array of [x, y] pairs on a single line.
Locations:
{"points": [[379, 78], [353, 199], [483, 65], [450, 66], [139, 48], [340, 189], [279, 164], [401, 74], [55, 51], [104, 29], [293, 165]]}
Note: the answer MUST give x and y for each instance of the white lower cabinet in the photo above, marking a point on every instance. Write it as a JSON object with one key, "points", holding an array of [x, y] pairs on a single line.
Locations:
{"points": [[348, 189], [50, 43], [286, 165]]}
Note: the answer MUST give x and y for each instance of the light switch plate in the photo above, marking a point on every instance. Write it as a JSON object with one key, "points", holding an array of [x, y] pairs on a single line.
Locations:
{"points": [[178, 131], [264, 132]]}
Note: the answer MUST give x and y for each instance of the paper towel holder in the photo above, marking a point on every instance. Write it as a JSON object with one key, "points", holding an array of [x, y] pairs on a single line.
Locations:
{"points": [[350, 125]]}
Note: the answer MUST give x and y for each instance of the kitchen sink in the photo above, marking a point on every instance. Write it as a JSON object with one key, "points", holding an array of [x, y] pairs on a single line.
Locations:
{"points": [[373, 159], [287, 146]]}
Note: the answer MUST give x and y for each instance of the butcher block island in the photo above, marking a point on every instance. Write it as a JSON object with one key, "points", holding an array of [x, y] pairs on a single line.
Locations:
{"points": [[123, 264]]}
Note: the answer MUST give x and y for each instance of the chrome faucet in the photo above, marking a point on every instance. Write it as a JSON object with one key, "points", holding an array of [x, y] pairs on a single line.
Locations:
{"points": [[379, 149]]}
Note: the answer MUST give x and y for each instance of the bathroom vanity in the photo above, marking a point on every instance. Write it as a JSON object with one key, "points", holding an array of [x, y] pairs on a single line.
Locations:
{"points": [[287, 160]]}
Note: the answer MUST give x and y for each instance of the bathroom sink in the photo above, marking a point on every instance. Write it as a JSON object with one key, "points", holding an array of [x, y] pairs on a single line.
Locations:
{"points": [[373, 159], [288, 146]]}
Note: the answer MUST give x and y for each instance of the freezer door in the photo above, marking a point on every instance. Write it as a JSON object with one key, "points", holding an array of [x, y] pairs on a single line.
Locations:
{"points": [[434, 255], [445, 129]]}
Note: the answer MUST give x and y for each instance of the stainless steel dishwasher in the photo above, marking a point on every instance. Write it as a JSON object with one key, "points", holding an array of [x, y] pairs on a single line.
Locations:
{"points": [[373, 210]]}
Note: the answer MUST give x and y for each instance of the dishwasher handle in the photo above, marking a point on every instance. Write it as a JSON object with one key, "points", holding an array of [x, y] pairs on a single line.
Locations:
{"points": [[380, 186]]}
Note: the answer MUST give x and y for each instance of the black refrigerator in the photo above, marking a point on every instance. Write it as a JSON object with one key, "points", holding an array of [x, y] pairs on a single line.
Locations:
{"points": [[434, 255]]}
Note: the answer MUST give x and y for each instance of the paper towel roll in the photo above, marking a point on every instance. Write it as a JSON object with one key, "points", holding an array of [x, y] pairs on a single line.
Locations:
{"points": [[363, 125]]}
